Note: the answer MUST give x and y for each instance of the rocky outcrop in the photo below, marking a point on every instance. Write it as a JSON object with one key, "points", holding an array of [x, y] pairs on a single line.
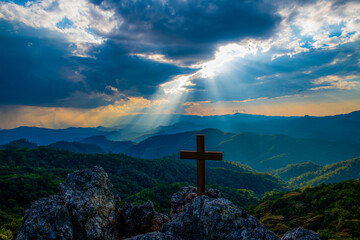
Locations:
{"points": [[215, 218], [85, 208], [88, 197], [208, 217], [300, 234]]}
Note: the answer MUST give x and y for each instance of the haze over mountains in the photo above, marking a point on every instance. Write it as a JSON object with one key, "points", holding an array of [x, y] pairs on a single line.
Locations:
{"points": [[331, 128]]}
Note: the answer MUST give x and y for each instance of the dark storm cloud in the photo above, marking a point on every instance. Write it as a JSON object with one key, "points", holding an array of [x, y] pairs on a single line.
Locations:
{"points": [[180, 28], [43, 72], [130, 74], [33, 70], [37, 66]]}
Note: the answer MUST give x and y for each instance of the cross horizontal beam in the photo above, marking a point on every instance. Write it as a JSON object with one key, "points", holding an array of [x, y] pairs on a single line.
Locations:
{"points": [[201, 155]]}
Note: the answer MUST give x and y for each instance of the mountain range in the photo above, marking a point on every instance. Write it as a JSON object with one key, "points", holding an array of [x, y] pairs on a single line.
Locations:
{"points": [[263, 142], [330, 128], [261, 152]]}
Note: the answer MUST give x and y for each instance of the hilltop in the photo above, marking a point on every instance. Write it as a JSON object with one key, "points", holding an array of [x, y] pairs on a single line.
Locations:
{"points": [[30, 174], [73, 213]]}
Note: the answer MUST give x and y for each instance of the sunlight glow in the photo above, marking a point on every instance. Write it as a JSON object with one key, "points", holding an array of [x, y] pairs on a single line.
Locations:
{"points": [[228, 53], [160, 58]]}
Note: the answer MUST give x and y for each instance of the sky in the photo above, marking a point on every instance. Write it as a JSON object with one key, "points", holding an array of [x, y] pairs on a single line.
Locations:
{"points": [[88, 63]]}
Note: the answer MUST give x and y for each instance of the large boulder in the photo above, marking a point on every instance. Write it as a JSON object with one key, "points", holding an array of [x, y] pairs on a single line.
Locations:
{"points": [[85, 208], [88, 196]]}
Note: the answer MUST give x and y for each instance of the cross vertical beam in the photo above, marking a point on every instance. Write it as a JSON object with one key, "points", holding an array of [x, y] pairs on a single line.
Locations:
{"points": [[200, 155], [200, 148]]}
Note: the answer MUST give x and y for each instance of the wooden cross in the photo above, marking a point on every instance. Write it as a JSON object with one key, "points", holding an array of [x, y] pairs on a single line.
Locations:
{"points": [[200, 155]]}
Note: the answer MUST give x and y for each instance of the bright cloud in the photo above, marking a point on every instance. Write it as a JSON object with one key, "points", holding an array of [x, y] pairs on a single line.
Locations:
{"points": [[337, 82], [322, 25], [77, 21]]}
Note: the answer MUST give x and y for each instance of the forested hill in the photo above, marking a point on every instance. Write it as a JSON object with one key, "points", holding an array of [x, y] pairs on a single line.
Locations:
{"points": [[311, 174], [296, 169], [261, 152], [90, 145], [336, 172], [331, 210]]}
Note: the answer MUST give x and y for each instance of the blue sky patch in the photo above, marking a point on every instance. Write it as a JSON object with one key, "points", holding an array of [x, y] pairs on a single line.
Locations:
{"points": [[64, 23]]}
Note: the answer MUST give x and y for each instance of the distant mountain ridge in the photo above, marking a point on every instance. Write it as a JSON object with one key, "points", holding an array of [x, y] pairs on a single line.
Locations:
{"points": [[45, 136], [20, 143], [91, 145], [331, 128], [107, 145], [77, 147], [261, 152]]}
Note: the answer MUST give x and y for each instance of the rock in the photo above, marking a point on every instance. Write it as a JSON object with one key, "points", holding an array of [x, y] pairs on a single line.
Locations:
{"points": [[91, 203], [153, 236], [182, 199], [47, 218], [212, 218], [85, 208], [141, 219], [158, 221], [300, 234]]}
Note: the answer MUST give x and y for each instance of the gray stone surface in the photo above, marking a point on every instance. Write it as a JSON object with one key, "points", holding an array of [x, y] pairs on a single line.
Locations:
{"points": [[153, 236], [91, 203], [47, 218], [300, 234], [211, 218], [183, 198]]}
